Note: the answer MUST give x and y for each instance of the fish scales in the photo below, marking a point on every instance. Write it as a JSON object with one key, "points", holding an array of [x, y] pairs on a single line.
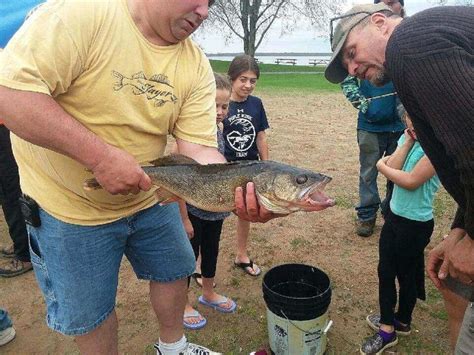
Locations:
{"points": [[209, 187]]}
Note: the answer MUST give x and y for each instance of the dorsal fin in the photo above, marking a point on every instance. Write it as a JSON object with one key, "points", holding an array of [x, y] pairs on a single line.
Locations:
{"points": [[139, 75], [174, 159]]}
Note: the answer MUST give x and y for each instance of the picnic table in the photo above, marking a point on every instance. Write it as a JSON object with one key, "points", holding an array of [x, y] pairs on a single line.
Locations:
{"points": [[286, 60], [318, 62]]}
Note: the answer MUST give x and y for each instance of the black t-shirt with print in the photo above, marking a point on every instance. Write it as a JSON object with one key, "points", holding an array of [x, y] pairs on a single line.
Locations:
{"points": [[245, 120]]}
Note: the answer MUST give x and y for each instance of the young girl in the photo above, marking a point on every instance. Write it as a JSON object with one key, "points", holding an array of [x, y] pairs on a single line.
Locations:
{"points": [[204, 229], [405, 234], [245, 138]]}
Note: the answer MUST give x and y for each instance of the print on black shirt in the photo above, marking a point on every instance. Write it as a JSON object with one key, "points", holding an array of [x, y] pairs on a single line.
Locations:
{"points": [[246, 119]]}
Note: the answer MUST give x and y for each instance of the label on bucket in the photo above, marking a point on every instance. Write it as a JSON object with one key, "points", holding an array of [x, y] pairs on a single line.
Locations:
{"points": [[312, 342], [288, 337]]}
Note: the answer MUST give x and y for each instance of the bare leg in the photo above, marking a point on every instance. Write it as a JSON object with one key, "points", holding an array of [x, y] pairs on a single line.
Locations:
{"points": [[455, 307], [102, 340], [168, 301], [243, 229]]}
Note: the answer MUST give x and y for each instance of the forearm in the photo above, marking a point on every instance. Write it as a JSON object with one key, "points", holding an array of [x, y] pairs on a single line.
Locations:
{"points": [[350, 89], [397, 159], [262, 146], [183, 211], [202, 154], [37, 118], [398, 177]]}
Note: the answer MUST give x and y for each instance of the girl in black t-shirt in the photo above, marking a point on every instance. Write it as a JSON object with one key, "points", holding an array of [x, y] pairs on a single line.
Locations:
{"points": [[244, 136]]}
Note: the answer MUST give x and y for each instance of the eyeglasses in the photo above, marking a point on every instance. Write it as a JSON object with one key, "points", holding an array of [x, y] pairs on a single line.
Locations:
{"points": [[331, 21]]}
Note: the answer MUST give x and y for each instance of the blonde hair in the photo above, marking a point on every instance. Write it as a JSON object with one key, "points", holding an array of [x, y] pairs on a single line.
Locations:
{"points": [[222, 82]]}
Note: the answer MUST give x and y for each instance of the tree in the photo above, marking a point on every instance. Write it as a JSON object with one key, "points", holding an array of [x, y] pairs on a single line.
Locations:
{"points": [[250, 20]]}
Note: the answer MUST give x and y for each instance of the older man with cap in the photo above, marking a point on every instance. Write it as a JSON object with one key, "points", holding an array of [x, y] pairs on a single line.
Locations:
{"points": [[429, 57]]}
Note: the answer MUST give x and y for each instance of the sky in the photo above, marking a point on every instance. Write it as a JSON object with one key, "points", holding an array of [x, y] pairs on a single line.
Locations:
{"points": [[303, 39]]}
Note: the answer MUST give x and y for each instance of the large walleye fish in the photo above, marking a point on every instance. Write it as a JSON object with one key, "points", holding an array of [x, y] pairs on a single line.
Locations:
{"points": [[280, 188]]}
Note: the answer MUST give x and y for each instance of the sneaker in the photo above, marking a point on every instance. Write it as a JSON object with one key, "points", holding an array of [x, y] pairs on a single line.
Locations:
{"points": [[191, 349], [7, 335], [8, 251], [365, 228], [15, 267], [376, 345], [373, 320]]}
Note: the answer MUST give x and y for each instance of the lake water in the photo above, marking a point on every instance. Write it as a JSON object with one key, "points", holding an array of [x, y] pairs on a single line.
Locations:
{"points": [[300, 60]]}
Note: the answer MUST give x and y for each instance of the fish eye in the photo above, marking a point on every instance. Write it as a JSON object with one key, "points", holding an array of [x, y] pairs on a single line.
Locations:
{"points": [[301, 179]]}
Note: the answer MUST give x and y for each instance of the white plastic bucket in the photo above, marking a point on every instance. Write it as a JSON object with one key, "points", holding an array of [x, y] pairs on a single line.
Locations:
{"points": [[297, 298], [289, 337]]}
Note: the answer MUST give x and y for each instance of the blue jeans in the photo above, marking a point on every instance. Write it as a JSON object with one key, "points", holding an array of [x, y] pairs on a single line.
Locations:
{"points": [[5, 321], [372, 146], [77, 267]]}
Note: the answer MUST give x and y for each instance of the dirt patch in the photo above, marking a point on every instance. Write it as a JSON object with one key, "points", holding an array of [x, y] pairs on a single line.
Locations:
{"points": [[313, 131]]}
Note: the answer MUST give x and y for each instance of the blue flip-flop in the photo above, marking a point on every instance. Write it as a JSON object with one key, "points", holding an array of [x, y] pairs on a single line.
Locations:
{"points": [[194, 326], [217, 305]]}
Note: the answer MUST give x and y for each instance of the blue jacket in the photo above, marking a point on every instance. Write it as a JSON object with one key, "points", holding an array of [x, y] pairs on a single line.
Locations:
{"points": [[379, 115]]}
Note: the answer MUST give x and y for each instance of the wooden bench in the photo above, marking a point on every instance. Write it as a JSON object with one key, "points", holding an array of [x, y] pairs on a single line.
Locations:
{"points": [[286, 60], [315, 62]]}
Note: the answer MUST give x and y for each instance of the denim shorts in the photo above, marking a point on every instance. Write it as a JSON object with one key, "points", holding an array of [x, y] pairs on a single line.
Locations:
{"points": [[77, 266]]}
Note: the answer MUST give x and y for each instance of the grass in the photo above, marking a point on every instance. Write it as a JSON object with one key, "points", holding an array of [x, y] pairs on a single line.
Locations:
{"points": [[285, 78]]}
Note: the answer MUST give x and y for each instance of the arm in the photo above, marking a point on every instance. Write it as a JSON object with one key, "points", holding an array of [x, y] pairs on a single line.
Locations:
{"points": [[188, 226], [351, 90], [116, 170], [398, 157], [201, 153], [262, 145], [422, 172], [444, 121]]}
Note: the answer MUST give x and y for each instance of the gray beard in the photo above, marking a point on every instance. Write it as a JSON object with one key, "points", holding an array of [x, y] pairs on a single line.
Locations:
{"points": [[380, 79]]}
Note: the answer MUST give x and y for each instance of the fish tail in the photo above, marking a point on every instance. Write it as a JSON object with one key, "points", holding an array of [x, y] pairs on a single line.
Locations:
{"points": [[91, 184], [119, 83]]}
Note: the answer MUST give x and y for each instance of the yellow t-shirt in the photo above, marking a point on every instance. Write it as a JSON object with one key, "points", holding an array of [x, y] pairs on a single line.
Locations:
{"points": [[92, 59]]}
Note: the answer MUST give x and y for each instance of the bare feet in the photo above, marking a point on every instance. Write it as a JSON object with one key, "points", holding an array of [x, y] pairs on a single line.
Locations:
{"points": [[192, 318]]}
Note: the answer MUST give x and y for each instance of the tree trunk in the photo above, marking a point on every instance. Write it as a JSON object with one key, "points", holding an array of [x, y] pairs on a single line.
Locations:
{"points": [[249, 22]]}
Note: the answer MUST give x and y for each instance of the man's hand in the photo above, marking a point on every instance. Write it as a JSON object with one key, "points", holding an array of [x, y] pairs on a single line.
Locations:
{"points": [[439, 257], [119, 173], [247, 207], [462, 261]]}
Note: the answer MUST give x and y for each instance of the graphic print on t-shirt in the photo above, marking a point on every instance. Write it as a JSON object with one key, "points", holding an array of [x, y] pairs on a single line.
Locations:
{"points": [[241, 134], [157, 89]]}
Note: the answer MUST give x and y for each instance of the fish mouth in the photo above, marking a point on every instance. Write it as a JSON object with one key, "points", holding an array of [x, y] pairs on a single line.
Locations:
{"points": [[314, 198]]}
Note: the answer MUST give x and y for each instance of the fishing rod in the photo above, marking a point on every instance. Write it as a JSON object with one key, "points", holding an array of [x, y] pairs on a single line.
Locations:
{"points": [[374, 97]]}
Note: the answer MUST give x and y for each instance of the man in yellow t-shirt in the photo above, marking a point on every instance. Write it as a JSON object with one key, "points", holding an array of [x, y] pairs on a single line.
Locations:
{"points": [[94, 88]]}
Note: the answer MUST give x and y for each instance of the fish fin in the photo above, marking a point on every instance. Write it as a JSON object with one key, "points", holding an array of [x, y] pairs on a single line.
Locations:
{"points": [[163, 196], [160, 78], [139, 75], [119, 84], [91, 184], [174, 159]]}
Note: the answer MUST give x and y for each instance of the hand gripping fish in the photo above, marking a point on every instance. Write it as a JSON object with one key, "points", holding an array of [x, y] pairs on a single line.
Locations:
{"points": [[280, 188]]}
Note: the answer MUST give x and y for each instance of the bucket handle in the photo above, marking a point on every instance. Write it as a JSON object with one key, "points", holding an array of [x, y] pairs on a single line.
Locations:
{"points": [[326, 328]]}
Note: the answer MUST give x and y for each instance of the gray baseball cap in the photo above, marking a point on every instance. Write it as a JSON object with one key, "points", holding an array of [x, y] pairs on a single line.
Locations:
{"points": [[335, 71]]}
